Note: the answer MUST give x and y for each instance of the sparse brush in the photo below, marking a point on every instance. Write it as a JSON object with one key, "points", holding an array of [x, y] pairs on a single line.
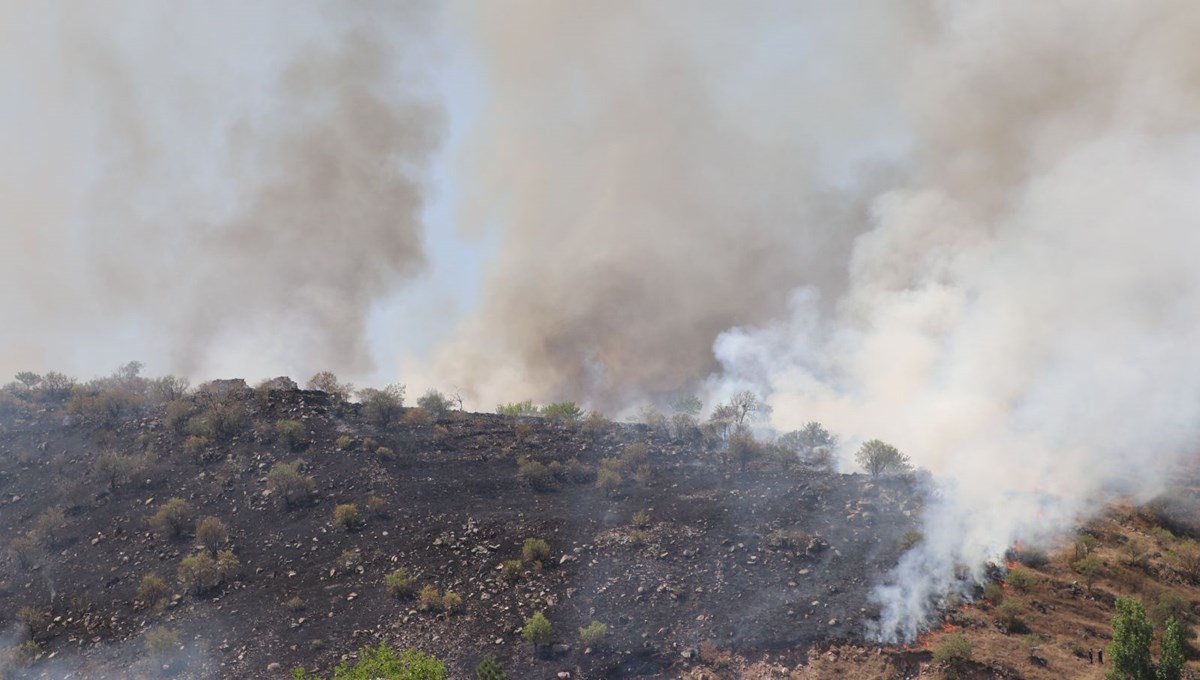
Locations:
{"points": [[291, 432], [32, 618], [385, 454], [343, 442], [452, 603], [954, 650], [296, 604], [641, 519], [376, 507], [1021, 579], [198, 573], [536, 475]]}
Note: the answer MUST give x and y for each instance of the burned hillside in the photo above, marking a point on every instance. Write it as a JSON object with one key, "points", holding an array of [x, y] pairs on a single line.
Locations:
{"points": [[679, 552]]}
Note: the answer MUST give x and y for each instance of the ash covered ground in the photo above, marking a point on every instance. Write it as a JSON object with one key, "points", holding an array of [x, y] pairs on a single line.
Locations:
{"points": [[765, 560]]}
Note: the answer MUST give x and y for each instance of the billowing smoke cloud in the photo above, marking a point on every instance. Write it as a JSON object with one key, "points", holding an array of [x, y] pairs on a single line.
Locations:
{"points": [[661, 172], [239, 183], [1021, 317]]}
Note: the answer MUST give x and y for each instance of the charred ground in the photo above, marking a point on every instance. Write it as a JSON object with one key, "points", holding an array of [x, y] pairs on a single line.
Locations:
{"points": [[762, 560]]}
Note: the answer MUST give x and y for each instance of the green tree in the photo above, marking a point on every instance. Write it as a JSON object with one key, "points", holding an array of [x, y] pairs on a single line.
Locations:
{"points": [[877, 457], [383, 663], [28, 378], [1129, 650], [490, 669], [1170, 664], [435, 402]]}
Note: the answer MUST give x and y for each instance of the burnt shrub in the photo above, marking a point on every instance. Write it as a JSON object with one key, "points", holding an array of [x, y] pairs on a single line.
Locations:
{"points": [[429, 599], [48, 526]]}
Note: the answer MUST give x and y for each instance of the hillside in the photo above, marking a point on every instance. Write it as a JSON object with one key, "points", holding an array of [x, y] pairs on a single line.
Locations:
{"points": [[699, 567]]}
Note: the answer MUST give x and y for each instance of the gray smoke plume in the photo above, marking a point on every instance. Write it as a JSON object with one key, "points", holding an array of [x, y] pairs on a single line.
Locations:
{"points": [[1021, 315], [239, 182], [661, 172]]}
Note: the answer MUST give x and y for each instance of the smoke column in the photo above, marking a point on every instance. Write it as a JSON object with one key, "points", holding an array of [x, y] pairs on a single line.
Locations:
{"points": [[967, 229], [1021, 316], [237, 181]]}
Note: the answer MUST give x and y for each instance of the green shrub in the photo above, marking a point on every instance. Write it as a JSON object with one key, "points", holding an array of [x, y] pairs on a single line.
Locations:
{"points": [[436, 403], [490, 669], [536, 475], [288, 486], [161, 642], [228, 565], [535, 550], [993, 593], [418, 416], [382, 663], [517, 408], [1008, 615], [955, 650], [399, 583], [346, 516], [1090, 569], [115, 469], [608, 478], [563, 412], [173, 519], [537, 629], [291, 432], [511, 570], [211, 533], [593, 633], [1021, 579]]}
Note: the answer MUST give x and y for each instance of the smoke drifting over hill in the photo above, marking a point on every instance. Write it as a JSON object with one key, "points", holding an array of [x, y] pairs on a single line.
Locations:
{"points": [[239, 182], [964, 228]]}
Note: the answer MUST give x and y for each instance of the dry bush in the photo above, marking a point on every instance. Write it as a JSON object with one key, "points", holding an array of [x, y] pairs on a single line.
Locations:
{"points": [[161, 642], [452, 603], [173, 519], [399, 583], [291, 433], [510, 570], [47, 527], [376, 507], [535, 550], [211, 533], [430, 599], [343, 442], [296, 604], [33, 619], [385, 454], [152, 589], [198, 574], [228, 565], [289, 486], [417, 417], [346, 516], [537, 476]]}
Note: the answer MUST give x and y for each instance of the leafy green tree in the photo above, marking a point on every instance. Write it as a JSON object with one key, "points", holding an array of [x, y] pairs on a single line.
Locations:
{"points": [[490, 669], [811, 436], [435, 402], [28, 378], [566, 412], [327, 382], [877, 457], [1170, 664], [1129, 650]]}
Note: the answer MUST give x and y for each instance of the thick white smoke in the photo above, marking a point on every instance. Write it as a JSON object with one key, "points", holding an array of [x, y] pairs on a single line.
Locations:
{"points": [[1022, 315]]}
